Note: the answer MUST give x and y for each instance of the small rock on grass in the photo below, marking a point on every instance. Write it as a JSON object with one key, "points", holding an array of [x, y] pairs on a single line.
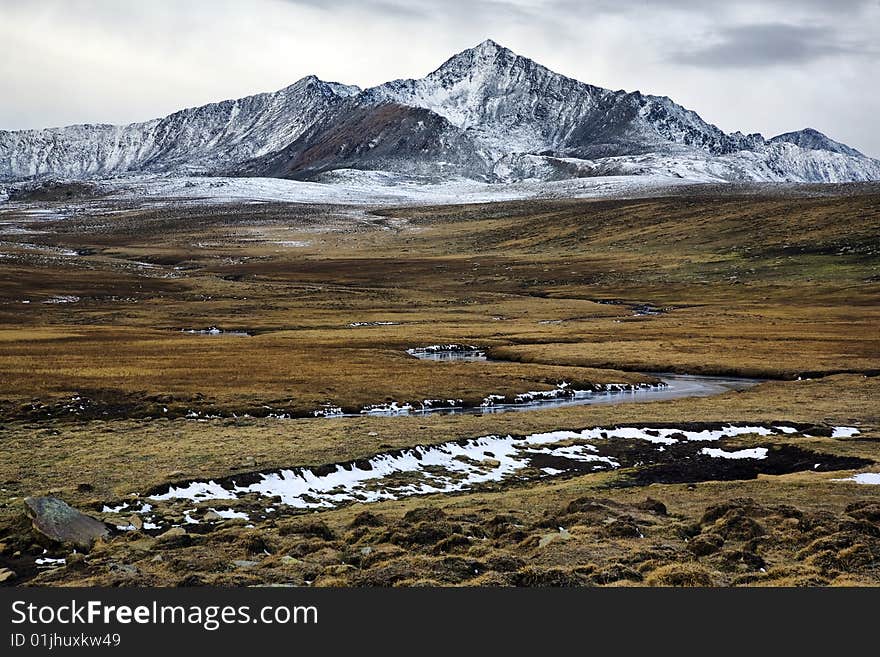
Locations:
{"points": [[561, 535], [6, 575], [174, 537]]}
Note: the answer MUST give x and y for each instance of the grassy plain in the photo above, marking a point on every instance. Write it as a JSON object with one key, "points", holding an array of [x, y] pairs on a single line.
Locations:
{"points": [[778, 287]]}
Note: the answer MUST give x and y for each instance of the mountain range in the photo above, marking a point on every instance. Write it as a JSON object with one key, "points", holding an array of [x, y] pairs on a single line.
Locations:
{"points": [[486, 114]]}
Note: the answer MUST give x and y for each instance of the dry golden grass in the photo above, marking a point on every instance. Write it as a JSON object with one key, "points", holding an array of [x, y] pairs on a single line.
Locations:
{"points": [[753, 285]]}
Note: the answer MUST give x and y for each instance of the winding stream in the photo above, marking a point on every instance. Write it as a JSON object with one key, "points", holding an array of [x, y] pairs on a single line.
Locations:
{"points": [[654, 453], [672, 386]]}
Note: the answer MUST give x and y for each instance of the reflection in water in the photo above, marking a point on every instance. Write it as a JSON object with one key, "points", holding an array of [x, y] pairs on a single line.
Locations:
{"points": [[448, 352]]}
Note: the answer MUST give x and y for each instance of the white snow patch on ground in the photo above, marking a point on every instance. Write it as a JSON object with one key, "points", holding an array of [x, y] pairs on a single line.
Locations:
{"points": [[844, 432], [363, 324], [231, 513], [62, 298], [199, 490], [870, 478], [447, 467], [755, 453], [785, 429], [50, 561]]}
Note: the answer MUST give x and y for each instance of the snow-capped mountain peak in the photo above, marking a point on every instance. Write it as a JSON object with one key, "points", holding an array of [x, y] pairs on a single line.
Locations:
{"points": [[485, 113], [812, 139], [507, 102]]}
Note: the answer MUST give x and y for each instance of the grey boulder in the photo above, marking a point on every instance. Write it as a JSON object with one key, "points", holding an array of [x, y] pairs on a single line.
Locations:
{"points": [[59, 522]]}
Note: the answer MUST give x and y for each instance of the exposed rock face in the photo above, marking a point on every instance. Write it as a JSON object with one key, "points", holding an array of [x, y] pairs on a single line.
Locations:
{"points": [[55, 520], [387, 136]]}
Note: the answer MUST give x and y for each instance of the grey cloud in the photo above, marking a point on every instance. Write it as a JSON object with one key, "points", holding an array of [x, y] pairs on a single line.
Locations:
{"points": [[483, 10], [746, 46], [836, 7], [387, 8]]}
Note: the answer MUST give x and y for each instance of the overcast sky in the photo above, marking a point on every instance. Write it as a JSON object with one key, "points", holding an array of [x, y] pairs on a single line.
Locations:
{"points": [[751, 65]]}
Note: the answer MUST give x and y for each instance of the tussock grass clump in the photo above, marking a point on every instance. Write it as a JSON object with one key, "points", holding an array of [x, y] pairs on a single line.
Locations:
{"points": [[680, 574]]}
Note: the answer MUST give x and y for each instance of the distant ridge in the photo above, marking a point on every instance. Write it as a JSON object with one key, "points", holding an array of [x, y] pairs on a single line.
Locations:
{"points": [[486, 114]]}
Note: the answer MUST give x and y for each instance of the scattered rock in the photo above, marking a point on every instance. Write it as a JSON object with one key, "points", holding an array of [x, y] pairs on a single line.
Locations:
{"points": [[561, 535], [245, 563], [125, 569], [6, 575], [59, 522], [136, 522], [141, 544], [212, 516], [174, 538]]}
